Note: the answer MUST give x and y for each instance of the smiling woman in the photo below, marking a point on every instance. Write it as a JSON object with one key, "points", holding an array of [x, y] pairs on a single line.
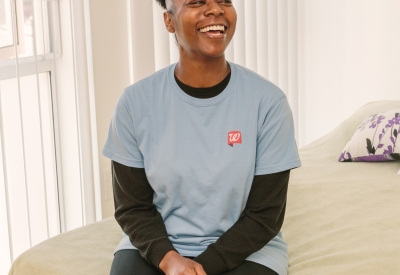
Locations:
{"points": [[197, 25], [201, 155]]}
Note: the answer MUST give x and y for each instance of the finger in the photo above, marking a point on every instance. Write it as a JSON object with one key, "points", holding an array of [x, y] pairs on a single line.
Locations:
{"points": [[191, 271], [200, 271]]}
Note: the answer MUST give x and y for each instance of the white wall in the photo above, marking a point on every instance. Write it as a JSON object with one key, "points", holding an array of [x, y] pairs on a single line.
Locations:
{"points": [[349, 53]]}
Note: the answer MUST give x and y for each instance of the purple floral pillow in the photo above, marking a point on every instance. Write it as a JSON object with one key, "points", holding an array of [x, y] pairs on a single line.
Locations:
{"points": [[375, 139]]}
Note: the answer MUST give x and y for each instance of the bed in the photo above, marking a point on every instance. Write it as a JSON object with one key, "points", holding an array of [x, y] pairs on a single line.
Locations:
{"points": [[341, 218]]}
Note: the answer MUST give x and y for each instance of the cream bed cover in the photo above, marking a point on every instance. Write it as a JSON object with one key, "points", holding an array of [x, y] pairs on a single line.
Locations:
{"points": [[341, 218]]}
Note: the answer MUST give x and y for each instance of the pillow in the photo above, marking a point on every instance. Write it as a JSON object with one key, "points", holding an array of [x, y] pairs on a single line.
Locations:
{"points": [[376, 139]]}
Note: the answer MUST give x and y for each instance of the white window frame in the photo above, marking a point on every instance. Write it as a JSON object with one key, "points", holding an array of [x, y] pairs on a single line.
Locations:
{"points": [[73, 109], [8, 51]]}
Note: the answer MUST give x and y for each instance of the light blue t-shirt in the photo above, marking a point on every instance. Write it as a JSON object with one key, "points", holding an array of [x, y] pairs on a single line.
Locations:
{"points": [[201, 155]]}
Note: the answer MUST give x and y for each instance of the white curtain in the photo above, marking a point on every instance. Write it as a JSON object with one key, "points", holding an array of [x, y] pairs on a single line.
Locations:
{"points": [[265, 42]]}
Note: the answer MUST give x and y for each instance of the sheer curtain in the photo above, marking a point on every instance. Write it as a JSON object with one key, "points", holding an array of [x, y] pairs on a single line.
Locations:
{"points": [[265, 42]]}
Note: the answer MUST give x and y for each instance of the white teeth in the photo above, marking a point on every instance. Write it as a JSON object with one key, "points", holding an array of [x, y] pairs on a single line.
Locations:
{"points": [[213, 28]]}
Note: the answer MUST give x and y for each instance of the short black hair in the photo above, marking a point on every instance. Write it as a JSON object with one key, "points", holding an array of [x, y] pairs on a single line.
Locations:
{"points": [[162, 4]]}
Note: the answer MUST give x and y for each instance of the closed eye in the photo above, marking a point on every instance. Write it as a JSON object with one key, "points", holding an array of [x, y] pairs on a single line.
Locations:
{"points": [[196, 3]]}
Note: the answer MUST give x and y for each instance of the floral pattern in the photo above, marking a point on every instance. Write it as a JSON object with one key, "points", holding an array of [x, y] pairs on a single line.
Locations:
{"points": [[379, 134]]}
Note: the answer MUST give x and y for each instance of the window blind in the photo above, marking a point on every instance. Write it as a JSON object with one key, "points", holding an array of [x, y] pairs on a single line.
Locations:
{"points": [[29, 206]]}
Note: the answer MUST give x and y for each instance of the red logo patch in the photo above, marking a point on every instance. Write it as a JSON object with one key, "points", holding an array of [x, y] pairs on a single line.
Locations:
{"points": [[234, 137]]}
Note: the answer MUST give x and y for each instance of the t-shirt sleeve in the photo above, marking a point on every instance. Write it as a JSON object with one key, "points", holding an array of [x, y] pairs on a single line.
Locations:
{"points": [[121, 144], [276, 144]]}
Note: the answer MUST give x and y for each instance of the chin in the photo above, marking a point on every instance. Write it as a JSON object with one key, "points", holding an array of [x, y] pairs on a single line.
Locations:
{"points": [[216, 53], [219, 55]]}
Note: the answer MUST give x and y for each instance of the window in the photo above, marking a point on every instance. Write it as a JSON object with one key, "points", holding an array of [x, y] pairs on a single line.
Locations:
{"points": [[6, 28], [46, 171]]}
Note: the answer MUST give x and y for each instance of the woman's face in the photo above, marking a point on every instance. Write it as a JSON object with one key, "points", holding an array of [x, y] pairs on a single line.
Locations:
{"points": [[203, 28]]}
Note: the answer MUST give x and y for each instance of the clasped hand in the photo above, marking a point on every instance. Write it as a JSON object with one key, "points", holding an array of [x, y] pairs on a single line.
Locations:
{"points": [[174, 264]]}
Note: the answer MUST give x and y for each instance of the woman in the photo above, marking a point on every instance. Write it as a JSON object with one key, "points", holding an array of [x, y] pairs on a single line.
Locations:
{"points": [[201, 153]]}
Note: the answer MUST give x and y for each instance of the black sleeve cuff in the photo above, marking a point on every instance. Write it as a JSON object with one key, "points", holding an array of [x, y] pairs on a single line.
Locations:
{"points": [[158, 251], [212, 262]]}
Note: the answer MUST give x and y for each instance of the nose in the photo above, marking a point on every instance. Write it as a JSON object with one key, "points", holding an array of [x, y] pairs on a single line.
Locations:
{"points": [[213, 8]]}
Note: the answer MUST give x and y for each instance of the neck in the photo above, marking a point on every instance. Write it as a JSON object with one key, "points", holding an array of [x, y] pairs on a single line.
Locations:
{"points": [[200, 73]]}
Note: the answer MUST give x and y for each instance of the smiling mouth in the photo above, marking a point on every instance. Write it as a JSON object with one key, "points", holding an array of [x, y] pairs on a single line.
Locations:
{"points": [[216, 29]]}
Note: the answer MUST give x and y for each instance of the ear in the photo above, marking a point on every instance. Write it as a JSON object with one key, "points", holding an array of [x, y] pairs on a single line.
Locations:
{"points": [[169, 24]]}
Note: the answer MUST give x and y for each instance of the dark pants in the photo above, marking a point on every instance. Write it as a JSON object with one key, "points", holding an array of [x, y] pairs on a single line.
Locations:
{"points": [[129, 262]]}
